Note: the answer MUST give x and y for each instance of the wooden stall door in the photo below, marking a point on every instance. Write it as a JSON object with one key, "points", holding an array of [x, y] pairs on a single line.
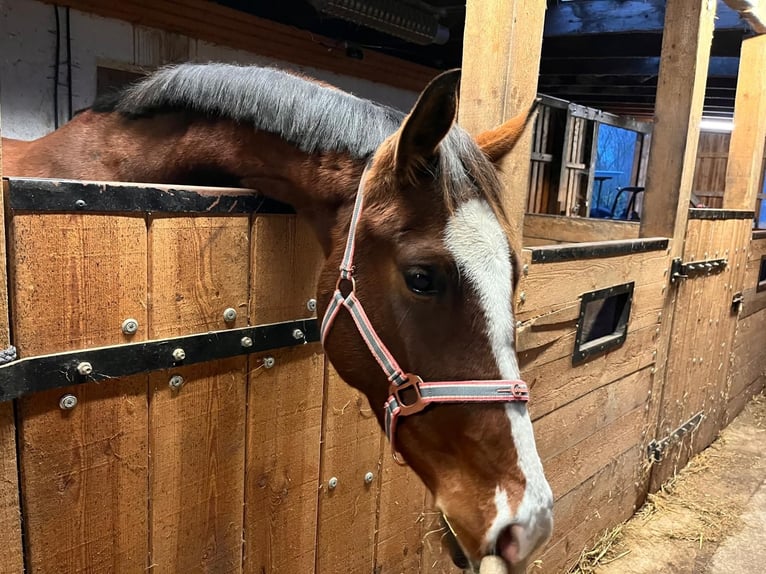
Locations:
{"points": [[701, 338]]}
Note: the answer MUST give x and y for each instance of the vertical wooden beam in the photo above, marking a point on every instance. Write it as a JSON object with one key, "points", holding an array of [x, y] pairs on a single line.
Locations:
{"points": [[684, 62], [501, 62], [11, 556], [743, 170]]}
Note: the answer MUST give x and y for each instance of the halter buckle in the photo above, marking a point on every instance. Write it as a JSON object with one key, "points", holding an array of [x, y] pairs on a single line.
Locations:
{"points": [[408, 407], [345, 280]]}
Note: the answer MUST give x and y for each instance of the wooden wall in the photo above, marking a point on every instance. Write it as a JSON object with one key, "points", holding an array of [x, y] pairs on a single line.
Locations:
{"points": [[228, 474], [592, 420], [747, 373]]}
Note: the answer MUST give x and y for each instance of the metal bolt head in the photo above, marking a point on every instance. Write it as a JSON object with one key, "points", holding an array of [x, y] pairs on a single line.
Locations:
{"points": [[298, 335], [525, 269], [179, 354], [85, 368], [67, 402], [230, 315], [332, 483], [368, 478], [176, 382], [522, 296], [246, 342], [311, 305], [129, 326], [80, 203], [269, 362]]}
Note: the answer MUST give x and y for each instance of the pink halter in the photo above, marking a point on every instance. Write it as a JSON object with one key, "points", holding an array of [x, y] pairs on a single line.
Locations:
{"points": [[425, 393]]}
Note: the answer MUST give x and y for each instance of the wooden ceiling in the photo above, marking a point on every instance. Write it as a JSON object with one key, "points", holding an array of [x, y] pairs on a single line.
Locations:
{"points": [[599, 53]]}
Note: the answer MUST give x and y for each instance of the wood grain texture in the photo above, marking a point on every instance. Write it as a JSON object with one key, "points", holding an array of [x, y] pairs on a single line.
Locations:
{"points": [[399, 543], [501, 62], [576, 229], [686, 41], [11, 551], [284, 415], [198, 268], [84, 472], [744, 169], [229, 27], [350, 449]]}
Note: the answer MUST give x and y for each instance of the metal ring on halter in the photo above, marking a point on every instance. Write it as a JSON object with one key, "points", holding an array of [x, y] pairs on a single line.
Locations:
{"points": [[408, 408]]}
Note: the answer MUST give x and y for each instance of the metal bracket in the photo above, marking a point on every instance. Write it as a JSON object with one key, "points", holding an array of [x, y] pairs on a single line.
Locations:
{"points": [[680, 270], [657, 448], [41, 373]]}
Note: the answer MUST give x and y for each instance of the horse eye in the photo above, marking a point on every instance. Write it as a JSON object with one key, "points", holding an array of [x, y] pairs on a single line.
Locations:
{"points": [[421, 281]]}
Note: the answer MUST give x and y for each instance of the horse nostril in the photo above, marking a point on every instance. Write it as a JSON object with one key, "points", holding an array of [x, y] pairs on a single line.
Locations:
{"points": [[508, 543]]}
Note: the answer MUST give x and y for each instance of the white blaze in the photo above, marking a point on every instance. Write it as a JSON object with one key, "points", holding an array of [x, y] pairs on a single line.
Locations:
{"points": [[480, 247]]}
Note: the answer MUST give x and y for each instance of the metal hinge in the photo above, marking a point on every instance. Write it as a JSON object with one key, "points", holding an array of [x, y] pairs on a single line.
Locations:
{"points": [[681, 270], [656, 448]]}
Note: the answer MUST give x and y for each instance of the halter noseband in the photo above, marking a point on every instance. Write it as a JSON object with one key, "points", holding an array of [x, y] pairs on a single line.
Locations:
{"points": [[425, 393]]}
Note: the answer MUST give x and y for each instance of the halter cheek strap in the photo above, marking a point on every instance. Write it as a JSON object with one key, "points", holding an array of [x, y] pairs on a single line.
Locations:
{"points": [[408, 394]]}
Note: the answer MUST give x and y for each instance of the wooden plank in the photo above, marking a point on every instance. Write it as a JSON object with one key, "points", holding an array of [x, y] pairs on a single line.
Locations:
{"points": [[551, 284], [11, 555], [284, 429], [599, 503], [556, 384], [284, 417], [399, 543], [350, 449], [572, 467], [501, 62], [748, 138], [575, 230], [198, 268], [84, 472], [236, 29], [737, 403], [753, 11], [686, 44], [565, 427]]}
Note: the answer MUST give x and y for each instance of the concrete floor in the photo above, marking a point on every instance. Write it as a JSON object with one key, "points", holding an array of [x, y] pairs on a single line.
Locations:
{"points": [[713, 518]]}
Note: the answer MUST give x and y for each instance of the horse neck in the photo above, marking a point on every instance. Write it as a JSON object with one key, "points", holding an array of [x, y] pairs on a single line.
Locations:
{"points": [[185, 149]]}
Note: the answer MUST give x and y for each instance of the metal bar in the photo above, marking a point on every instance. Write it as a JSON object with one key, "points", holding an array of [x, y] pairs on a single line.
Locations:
{"points": [[708, 213], [65, 196], [552, 253], [35, 374]]}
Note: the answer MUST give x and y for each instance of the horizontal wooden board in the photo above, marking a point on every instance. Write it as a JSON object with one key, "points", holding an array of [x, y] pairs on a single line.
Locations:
{"points": [[571, 467], [557, 383], [599, 503], [560, 229], [551, 336], [563, 428], [738, 402], [549, 285]]}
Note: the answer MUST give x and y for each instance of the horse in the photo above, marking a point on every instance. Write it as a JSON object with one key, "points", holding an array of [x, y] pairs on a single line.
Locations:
{"points": [[419, 272]]}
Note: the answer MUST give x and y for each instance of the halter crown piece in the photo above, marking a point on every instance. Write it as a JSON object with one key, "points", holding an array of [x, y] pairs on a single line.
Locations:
{"points": [[421, 394]]}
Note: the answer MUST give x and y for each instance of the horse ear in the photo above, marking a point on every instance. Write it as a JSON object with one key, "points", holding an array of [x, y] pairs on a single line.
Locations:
{"points": [[496, 143], [428, 123]]}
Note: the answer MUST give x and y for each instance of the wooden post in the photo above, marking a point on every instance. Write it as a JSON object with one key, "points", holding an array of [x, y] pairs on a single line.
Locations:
{"points": [[501, 63], [680, 95], [11, 555], [743, 170]]}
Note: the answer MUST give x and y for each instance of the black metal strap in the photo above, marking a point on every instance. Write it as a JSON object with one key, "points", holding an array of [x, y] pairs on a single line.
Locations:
{"points": [[35, 374]]}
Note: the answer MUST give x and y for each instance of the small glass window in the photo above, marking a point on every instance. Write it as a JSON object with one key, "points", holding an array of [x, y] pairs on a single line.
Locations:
{"points": [[603, 321]]}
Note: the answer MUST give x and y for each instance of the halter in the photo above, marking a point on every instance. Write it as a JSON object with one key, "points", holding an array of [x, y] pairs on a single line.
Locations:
{"points": [[425, 393]]}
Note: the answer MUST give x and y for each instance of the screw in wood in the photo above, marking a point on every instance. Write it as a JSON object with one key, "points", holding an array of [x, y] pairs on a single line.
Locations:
{"points": [[368, 478], [332, 483], [269, 362], [129, 326], [67, 402], [311, 305], [229, 314], [176, 382]]}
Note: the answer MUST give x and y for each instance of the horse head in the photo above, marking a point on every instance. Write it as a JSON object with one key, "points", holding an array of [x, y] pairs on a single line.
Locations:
{"points": [[420, 319]]}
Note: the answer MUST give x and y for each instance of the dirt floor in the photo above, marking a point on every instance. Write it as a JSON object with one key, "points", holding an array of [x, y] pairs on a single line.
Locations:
{"points": [[709, 519]]}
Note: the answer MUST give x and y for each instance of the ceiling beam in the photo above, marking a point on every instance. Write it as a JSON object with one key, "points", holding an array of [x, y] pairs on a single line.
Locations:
{"points": [[718, 66], [613, 16]]}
